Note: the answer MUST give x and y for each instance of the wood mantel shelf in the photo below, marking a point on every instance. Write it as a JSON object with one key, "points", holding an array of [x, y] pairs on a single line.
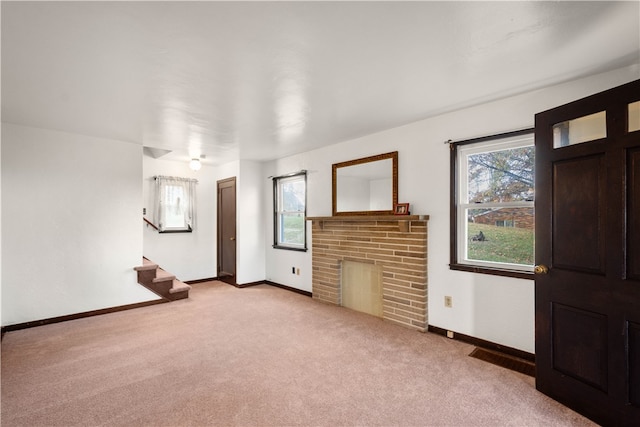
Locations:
{"points": [[370, 218], [403, 221]]}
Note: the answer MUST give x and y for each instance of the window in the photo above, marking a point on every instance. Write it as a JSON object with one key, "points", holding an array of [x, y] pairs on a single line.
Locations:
{"points": [[505, 223], [492, 191], [175, 204], [290, 201]]}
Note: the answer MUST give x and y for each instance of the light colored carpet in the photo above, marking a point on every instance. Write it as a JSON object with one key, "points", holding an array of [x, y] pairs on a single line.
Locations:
{"points": [[258, 356]]}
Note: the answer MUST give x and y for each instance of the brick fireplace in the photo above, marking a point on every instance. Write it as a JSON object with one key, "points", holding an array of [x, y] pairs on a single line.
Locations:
{"points": [[396, 243]]}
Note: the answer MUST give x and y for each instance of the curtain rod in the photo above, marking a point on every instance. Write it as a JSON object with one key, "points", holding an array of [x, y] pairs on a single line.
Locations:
{"points": [[490, 137], [301, 171], [176, 178]]}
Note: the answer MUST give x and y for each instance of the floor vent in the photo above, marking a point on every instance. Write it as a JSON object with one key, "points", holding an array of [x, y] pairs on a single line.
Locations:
{"points": [[510, 362]]}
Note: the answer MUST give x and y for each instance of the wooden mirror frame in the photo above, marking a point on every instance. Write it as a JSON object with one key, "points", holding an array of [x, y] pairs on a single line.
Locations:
{"points": [[394, 176]]}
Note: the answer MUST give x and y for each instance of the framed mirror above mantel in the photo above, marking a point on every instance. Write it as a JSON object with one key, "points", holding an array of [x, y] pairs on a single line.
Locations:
{"points": [[366, 186]]}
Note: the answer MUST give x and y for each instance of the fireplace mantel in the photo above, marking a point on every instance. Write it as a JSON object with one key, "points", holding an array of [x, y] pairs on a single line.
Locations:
{"points": [[369, 218], [397, 243], [402, 220]]}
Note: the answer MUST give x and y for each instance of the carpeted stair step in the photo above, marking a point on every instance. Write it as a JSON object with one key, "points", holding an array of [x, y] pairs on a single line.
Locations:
{"points": [[161, 282], [180, 290], [146, 265], [163, 276]]}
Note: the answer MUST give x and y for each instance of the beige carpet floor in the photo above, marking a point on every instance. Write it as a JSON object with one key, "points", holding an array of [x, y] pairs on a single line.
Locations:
{"points": [[259, 356]]}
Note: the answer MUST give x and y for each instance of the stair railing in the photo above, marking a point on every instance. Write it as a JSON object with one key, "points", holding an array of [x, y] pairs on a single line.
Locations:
{"points": [[150, 223]]}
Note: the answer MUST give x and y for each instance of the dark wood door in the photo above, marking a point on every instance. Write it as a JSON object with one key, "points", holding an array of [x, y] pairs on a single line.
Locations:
{"points": [[227, 230], [588, 255]]}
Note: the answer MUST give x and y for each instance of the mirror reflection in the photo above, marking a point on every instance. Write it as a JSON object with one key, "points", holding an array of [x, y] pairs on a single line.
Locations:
{"points": [[366, 186]]}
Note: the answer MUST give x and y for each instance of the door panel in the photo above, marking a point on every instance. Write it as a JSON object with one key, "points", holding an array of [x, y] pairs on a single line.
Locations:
{"points": [[587, 234], [227, 230], [580, 344], [633, 212], [579, 214], [634, 363]]}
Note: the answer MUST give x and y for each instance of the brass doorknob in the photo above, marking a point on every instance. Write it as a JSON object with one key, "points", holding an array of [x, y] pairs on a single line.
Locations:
{"points": [[540, 269], [232, 238]]}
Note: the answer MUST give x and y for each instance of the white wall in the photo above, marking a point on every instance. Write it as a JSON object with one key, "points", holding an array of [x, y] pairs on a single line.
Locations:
{"points": [[71, 236], [250, 251], [489, 307], [1, 323], [190, 256]]}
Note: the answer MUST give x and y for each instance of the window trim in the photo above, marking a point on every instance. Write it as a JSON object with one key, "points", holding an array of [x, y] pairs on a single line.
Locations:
{"points": [[455, 264], [276, 180]]}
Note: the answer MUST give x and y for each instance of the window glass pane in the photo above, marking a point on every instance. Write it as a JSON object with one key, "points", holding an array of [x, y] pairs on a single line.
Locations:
{"points": [[501, 235], [501, 176], [582, 129], [634, 116], [292, 228], [293, 196], [175, 206]]}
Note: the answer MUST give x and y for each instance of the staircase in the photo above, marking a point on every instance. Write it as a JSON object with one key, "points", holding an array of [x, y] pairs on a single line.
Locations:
{"points": [[162, 283]]}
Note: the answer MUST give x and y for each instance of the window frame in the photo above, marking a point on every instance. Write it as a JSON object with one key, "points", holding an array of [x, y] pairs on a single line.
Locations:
{"points": [[277, 211], [458, 221], [188, 185]]}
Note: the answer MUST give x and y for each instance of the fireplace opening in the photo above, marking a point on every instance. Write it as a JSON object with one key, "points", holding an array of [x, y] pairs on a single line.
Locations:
{"points": [[362, 287]]}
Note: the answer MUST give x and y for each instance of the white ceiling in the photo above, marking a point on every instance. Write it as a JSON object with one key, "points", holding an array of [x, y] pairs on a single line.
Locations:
{"points": [[263, 80]]}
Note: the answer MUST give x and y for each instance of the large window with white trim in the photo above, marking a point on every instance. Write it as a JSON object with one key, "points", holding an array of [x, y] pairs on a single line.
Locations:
{"points": [[290, 201], [492, 218]]}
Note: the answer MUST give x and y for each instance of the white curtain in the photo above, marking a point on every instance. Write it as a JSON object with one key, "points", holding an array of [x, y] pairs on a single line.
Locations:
{"points": [[175, 203]]}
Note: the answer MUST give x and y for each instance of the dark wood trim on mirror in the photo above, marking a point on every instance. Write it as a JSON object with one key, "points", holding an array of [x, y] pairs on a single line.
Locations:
{"points": [[334, 179]]}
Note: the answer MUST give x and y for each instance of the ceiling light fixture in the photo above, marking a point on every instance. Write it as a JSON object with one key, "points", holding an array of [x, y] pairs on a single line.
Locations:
{"points": [[195, 165]]}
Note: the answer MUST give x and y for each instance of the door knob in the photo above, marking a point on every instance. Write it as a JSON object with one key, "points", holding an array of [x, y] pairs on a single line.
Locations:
{"points": [[540, 269], [232, 238]]}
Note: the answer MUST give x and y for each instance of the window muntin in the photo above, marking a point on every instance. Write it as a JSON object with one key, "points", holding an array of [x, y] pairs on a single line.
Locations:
{"points": [[493, 204], [290, 199]]}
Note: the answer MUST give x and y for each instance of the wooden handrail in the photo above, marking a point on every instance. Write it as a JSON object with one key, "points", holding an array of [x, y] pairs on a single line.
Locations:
{"points": [[150, 223]]}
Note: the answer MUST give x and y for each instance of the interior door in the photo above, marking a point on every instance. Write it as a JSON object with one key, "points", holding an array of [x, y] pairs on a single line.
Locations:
{"points": [[227, 230], [588, 254]]}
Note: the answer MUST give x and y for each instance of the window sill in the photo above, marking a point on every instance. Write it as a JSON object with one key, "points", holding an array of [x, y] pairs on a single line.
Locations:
{"points": [[493, 271], [288, 248]]}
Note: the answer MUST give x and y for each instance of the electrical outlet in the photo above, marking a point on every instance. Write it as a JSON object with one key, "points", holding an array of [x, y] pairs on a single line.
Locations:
{"points": [[298, 271], [144, 211], [293, 270], [449, 334], [448, 301]]}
